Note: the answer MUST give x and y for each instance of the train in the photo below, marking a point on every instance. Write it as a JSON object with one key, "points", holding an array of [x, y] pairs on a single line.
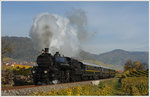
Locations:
{"points": [[53, 69]]}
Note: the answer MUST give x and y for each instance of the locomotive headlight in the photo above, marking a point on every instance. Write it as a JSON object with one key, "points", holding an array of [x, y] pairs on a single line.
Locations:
{"points": [[33, 71], [45, 71]]}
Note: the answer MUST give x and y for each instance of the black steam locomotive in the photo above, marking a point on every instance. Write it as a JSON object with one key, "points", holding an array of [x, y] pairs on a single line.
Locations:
{"points": [[60, 69]]}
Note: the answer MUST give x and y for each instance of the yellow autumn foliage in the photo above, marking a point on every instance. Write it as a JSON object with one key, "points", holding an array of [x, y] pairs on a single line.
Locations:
{"points": [[22, 66], [19, 69], [80, 90], [135, 85]]}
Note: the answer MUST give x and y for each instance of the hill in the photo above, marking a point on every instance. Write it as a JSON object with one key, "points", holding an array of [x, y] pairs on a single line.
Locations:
{"points": [[22, 48], [119, 57]]}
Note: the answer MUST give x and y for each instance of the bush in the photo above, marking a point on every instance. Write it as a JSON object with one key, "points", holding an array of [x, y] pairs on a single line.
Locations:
{"points": [[16, 75], [7, 77], [135, 91]]}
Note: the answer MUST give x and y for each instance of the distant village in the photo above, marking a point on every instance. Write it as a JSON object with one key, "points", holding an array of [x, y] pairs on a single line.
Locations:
{"points": [[18, 64]]}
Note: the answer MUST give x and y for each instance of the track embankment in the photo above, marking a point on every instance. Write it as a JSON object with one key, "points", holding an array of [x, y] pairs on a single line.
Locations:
{"points": [[29, 89]]}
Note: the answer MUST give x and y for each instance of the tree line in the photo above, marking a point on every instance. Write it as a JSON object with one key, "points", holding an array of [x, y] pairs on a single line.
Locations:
{"points": [[134, 66]]}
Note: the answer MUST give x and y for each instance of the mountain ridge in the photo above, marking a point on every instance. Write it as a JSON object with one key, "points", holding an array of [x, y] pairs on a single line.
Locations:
{"points": [[123, 55]]}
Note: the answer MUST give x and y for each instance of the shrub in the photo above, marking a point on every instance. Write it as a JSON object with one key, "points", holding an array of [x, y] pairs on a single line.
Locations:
{"points": [[7, 77], [135, 91]]}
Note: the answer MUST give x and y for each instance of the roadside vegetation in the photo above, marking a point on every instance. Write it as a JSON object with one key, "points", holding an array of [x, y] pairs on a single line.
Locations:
{"points": [[15, 76], [104, 88]]}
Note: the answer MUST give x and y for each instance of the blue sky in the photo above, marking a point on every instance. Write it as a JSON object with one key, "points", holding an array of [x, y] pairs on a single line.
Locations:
{"points": [[117, 25]]}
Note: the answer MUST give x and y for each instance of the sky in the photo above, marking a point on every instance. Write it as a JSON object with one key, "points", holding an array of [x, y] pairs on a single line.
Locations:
{"points": [[116, 25]]}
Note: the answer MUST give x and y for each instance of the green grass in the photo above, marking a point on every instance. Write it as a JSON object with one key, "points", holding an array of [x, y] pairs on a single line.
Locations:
{"points": [[116, 87]]}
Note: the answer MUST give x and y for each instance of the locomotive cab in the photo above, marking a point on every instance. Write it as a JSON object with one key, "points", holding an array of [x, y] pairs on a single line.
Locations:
{"points": [[62, 62]]}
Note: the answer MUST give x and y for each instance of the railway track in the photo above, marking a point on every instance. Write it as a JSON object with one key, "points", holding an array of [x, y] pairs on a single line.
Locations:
{"points": [[17, 87], [28, 89], [31, 86]]}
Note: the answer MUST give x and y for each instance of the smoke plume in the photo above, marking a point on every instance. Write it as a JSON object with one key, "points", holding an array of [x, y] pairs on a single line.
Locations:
{"points": [[63, 34]]}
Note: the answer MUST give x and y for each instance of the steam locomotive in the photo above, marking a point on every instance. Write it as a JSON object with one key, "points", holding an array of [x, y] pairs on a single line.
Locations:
{"points": [[60, 69]]}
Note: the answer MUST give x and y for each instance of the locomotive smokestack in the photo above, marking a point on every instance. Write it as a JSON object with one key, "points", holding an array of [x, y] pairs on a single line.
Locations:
{"points": [[46, 50]]}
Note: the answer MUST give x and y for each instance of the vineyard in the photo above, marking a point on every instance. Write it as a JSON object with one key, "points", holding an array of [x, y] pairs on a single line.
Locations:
{"points": [[138, 74]]}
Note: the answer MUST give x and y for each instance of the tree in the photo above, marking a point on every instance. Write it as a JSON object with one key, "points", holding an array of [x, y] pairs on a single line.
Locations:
{"points": [[137, 65], [128, 65], [6, 48], [133, 66]]}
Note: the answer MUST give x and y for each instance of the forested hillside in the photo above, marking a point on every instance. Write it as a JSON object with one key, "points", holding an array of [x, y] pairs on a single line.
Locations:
{"points": [[21, 48]]}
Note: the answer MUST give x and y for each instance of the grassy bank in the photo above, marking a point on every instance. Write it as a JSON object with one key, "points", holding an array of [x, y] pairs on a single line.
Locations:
{"points": [[127, 86], [110, 87]]}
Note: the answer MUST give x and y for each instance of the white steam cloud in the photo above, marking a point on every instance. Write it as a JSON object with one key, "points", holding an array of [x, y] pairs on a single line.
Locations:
{"points": [[60, 34]]}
